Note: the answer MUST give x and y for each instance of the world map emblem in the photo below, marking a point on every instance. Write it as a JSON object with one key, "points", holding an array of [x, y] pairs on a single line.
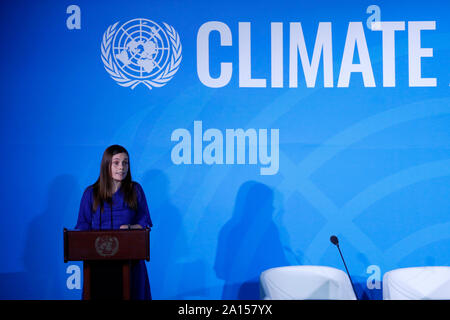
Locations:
{"points": [[141, 51], [106, 246]]}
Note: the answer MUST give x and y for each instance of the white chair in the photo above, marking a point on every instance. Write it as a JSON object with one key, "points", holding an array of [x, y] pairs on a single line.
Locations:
{"points": [[420, 283], [306, 283]]}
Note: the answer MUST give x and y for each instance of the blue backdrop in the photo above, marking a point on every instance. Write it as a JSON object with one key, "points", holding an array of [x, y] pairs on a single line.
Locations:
{"points": [[345, 130]]}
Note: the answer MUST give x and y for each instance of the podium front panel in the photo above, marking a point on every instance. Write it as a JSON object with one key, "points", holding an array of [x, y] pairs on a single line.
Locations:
{"points": [[106, 245]]}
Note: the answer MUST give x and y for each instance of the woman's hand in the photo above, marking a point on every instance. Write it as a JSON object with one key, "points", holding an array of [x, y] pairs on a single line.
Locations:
{"points": [[131, 226]]}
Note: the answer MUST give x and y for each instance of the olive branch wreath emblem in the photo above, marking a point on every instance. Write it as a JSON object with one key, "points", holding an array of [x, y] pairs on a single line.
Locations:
{"points": [[161, 79]]}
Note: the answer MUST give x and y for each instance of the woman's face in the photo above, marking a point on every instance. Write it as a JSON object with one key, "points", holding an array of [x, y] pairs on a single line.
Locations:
{"points": [[119, 166]]}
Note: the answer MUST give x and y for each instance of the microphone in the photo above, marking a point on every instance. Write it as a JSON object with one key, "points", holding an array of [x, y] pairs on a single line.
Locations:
{"points": [[334, 240]]}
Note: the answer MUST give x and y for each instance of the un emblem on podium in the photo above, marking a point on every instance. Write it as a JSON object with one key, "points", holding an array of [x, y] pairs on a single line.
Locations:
{"points": [[141, 51], [106, 246]]}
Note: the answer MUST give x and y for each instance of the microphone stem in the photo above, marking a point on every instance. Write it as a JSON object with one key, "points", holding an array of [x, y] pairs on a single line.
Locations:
{"points": [[348, 273]]}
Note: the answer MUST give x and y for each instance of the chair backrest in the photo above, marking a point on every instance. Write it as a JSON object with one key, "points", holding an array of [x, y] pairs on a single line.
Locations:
{"points": [[419, 283], [306, 283]]}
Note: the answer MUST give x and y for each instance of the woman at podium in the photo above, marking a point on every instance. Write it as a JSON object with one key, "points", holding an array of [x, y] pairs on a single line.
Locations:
{"points": [[114, 201]]}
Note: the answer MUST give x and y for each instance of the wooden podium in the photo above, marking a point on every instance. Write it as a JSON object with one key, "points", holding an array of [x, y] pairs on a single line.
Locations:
{"points": [[118, 246]]}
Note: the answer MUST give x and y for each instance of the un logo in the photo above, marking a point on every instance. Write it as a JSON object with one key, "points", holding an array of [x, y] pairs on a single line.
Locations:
{"points": [[141, 51], [106, 246]]}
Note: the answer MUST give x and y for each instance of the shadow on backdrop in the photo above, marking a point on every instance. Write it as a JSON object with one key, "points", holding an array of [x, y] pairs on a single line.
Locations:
{"points": [[167, 238], [248, 243], [44, 277]]}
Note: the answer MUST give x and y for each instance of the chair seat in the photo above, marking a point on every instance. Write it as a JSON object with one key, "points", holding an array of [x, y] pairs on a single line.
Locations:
{"points": [[418, 283], [306, 283]]}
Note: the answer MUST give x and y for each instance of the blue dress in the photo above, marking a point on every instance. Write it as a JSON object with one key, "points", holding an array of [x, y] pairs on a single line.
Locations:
{"points": [[113, 218]]}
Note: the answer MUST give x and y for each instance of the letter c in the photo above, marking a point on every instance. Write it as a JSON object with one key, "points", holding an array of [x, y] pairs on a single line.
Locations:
{"points": [[203, 54]]}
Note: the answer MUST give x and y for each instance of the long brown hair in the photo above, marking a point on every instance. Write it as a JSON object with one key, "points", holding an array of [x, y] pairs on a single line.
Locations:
{"points": [[103, 187]]}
